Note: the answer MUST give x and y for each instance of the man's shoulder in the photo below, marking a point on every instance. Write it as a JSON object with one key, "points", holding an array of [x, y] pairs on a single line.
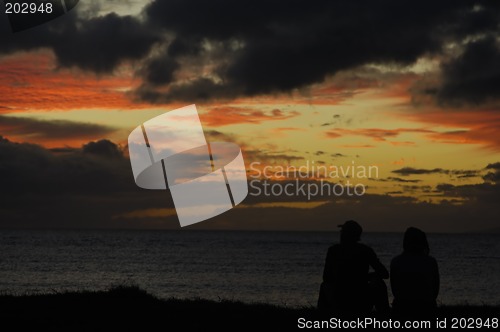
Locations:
{"points": [[365, 248], [360, 247]]}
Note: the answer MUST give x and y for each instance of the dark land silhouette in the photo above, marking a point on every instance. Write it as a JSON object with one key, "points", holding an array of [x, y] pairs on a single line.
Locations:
{"points": [[133, 309]]}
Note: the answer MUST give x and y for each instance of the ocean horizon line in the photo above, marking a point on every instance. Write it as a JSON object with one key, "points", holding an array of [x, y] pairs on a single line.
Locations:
{"points": [[208, 230]]}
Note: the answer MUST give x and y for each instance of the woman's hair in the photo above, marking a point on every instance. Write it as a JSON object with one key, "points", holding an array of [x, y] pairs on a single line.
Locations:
{"points": [[415, 241]]}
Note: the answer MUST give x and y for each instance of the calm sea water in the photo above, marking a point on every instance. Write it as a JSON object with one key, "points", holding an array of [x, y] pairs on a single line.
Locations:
{"points": [[273, 267]]}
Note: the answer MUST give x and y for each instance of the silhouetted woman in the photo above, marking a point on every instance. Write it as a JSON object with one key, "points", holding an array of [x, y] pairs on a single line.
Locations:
{"points": [[414, 277]]}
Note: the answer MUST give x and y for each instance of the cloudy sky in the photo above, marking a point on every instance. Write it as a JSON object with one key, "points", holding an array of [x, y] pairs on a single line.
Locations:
{"points": [[410, 87]]}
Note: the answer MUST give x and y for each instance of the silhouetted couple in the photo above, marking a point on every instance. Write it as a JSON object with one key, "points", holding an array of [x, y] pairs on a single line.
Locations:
{"points": [[349, 288]]}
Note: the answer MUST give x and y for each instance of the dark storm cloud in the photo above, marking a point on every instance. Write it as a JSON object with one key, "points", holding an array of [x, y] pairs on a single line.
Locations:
{"points": [[495, 166], [277, 47], [459, 213], [54, 129], [266, 157], [160, 71], [474, 76], [406, 171], [395, 179], [217, 136], [493, 175], [97, 44], [262, 47], [484, 192], [285, 46], [180, 47], [93, 186], [30, 169], [414, 188], [374, 212], [101, 43], [201, 89], [104, 148], [73, 188]]}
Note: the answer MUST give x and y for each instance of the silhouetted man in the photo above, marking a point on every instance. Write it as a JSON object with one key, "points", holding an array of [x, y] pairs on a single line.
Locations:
{"points": [[347, 286], [414, 277]]}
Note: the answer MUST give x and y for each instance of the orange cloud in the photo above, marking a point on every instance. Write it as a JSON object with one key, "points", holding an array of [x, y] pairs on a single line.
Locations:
{"points": [[479, 126], [406, 143], [223, 116], [401, 161], [284, 129], [32, 82], [281, 132], [379, 135], [51, 133], [357, 146], [475, 126], [398, 86], [333, 134]]}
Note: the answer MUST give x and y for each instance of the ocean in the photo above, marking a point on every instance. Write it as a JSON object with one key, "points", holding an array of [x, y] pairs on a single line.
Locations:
{"points": [[283, 268]]}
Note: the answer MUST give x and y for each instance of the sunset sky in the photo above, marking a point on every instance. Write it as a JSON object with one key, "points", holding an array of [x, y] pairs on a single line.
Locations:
{"points": [[410, 87]]}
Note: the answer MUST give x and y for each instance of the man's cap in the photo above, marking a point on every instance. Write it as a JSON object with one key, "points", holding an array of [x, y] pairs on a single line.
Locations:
{"points": [[351, 227]]}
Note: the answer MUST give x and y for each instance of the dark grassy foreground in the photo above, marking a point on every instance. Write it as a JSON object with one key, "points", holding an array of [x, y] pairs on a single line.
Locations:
{"points": [[132, 309]]}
